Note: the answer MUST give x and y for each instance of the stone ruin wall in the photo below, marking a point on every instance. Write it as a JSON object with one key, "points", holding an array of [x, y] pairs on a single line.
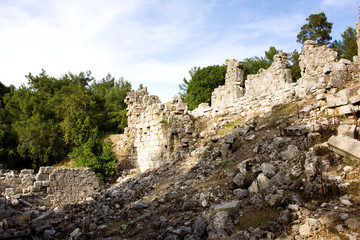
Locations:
{"points": [[271, 80], [226, 95], [57, 186], [159, 133], [321, 70]]}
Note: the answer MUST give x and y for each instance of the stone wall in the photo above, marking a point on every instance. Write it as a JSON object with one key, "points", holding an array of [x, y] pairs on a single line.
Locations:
{"points": [[159, 133], [271, 80], [60, 185], [321, 69], [225, 96]]}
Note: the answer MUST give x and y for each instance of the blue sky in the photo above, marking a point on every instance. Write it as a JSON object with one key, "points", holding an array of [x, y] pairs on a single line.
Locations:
{"points": [[152, 42]]}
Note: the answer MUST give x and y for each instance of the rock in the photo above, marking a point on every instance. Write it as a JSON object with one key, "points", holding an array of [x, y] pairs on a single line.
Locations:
{"points": [[306, 229], [345, 146], [339, 99], [76, 233], [262, 181], [347, 130], [240, 180], [232, 208], [254, 187], [199, 226], [352, 224], [241, 193], [280, 179], [268, 169], [283, 217], [279, 143], [48, 234], [290, 153], [221, 225], [46, 215], [298, 130]]}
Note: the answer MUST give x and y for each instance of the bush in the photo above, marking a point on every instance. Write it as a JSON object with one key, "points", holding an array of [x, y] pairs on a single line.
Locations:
{"points": [[96, 154]]}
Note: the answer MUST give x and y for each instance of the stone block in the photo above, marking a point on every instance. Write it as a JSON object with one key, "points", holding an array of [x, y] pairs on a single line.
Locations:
{"points": [[42, 177], [297, 130], [345, 146], [232, 208], [24, 172], [347, 130], [355, 99], [46, 170]]}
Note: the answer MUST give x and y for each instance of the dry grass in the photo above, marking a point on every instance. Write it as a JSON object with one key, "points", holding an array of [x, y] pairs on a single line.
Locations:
{"points": [[230, 126], [257, 218]]}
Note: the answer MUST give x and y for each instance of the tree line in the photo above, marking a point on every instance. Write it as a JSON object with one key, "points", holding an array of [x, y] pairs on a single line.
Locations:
{"points": [[203, 81], [52, 119]]}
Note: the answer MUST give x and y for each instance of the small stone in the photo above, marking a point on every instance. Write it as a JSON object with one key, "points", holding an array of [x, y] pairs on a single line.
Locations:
{"points": [[352, 224], [232, 208]]}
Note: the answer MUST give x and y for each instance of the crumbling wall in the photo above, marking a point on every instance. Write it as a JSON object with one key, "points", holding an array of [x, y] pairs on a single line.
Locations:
{"points": [[265, 82], [225, 96], [159, 133], [321, 69], [60, 185]]}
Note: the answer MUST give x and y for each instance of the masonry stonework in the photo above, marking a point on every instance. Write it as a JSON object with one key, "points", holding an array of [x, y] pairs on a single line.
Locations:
{"points": [[225, 96], [60, 186], [159, 133], [265, 82]]}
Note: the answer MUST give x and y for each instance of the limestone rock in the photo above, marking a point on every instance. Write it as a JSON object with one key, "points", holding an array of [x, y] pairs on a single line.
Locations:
{"points": [[232, 208], [345, 146]]}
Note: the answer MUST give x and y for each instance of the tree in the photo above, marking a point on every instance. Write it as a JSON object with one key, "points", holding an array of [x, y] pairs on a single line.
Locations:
{"points": [[347, 46], [271, 53], [202, 83], [294, 64], [317, 28]]}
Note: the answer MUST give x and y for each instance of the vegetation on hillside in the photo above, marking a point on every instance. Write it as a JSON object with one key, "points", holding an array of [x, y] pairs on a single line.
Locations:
{"points": [[52, 118]]}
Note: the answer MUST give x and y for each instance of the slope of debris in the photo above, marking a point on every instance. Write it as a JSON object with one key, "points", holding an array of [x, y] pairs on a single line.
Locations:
{"points": [[262, 178]]}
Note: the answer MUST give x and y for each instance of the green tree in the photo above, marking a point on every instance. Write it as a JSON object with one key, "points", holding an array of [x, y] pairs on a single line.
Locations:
{"points": [[110, 95], [271, 53], [317, 28], [347, 46], [294, 64], [202, 83], [98, 156]]}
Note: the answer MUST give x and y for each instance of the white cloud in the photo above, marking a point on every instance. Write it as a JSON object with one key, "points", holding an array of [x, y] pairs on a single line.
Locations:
{"points": [[146, 41], [337, 3]]}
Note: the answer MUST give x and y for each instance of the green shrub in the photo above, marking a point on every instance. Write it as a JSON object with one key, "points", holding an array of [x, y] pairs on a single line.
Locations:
{"points": [[96, 154]]}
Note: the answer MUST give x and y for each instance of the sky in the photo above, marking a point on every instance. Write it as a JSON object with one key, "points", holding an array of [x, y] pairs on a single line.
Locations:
{"points": [[150, 42]]}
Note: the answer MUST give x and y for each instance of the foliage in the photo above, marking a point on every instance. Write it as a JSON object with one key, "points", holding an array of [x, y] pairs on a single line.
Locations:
{"points": [[317, 28], [97, 155], [202, 83], [294, 64], [253, 65], [347, 46], [44, 121]]}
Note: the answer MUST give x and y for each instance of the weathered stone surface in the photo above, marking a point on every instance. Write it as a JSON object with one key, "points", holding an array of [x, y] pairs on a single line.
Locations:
{"points": [[277, 76], [159, 132], [339, 99], [232, 208], [226, 96], [345, 146], [297, 130], [221, 226], [347, 130]]}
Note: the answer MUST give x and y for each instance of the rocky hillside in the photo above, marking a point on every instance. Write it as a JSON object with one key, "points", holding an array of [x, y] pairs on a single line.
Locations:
{"points": [[271, 160]]}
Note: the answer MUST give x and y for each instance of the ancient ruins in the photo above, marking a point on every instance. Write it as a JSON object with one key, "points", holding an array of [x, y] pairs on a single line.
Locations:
{"points": [[269, 159]]}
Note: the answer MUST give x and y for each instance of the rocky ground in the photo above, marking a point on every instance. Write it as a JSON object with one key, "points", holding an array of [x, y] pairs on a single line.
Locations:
{"points": [[265, 177]]}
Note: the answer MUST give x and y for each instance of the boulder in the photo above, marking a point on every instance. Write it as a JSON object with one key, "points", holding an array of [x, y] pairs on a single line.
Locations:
{"points": [[232, 208], [345, 146]]}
